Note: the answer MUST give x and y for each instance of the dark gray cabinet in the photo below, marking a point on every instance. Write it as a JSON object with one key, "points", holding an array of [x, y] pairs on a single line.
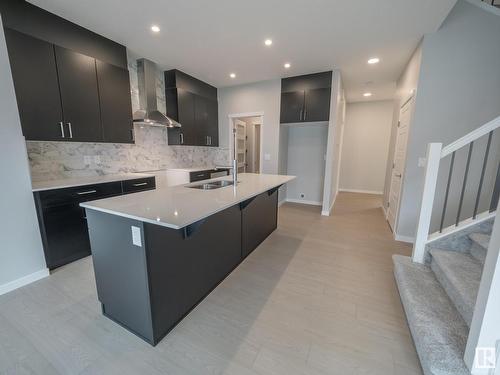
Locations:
{"points": [[115, 103], [64, 95], [193, 104], [149, 287], [79, 95], [63, 223], [259, 218], [306, 98], [33, 67]]}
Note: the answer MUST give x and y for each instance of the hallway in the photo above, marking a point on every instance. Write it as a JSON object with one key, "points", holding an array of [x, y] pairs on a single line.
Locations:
{"points": [[317, 297]]}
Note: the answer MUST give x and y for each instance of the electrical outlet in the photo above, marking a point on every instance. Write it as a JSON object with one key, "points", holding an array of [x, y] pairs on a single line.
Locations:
{"points": [[87, 160], [422, 162], [302, 195]]}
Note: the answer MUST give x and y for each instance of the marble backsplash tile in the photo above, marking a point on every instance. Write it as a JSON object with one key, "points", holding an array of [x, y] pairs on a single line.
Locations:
{"points": [[56, 160]]}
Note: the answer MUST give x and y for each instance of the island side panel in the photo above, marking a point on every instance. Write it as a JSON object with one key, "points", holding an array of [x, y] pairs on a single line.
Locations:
{"points": [[259, 219], [187, 264], [121, 271]]}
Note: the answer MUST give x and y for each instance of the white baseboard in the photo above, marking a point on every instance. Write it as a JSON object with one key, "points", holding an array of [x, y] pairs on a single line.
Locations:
{"points": [[281, 202], [312, 203], [407, 239], [385, 211], [25, 280], [329, 211], [362, 191]]}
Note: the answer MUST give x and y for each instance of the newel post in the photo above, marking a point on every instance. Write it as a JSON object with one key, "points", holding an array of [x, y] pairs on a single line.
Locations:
{"points": [[424, 219]]}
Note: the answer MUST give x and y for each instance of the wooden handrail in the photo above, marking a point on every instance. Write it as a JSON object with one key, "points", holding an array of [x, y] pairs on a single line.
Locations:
{"points": [[471, 137]]}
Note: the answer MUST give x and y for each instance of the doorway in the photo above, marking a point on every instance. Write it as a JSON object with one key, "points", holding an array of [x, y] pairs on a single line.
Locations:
{"points": [[398, 164], [248, 141]]}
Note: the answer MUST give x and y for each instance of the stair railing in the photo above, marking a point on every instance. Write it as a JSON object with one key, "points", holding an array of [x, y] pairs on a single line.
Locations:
{"points": [[435, 153]]}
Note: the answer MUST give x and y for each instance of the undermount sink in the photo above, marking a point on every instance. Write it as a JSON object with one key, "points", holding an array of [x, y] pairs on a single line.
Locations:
{"points": [[211, 185]]}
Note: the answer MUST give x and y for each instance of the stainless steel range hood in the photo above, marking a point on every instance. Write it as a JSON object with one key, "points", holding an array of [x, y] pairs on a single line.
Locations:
{"points": [[148, 113]]}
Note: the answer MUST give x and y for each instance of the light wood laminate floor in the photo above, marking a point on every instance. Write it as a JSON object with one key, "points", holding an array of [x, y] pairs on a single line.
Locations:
{"points": [[317, 297]]}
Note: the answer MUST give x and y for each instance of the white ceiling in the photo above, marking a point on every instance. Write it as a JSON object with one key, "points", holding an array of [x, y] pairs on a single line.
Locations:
{"points": [[211, 38]]}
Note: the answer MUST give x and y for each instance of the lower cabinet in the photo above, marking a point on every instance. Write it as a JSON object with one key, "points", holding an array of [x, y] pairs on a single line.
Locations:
{"points": [[259, 218], [63, 224], [149, 286]]}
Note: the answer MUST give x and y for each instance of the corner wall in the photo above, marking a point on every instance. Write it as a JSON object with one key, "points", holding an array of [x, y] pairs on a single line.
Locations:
{"points": [[21, 253]]}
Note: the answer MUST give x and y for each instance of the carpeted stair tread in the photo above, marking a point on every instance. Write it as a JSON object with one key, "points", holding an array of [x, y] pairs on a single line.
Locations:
{"points": [[479, 247], [438, 330], [459, 275]]}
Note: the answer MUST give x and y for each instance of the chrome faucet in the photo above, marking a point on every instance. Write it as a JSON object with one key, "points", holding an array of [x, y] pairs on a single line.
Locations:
{"points": [[234, 167]]}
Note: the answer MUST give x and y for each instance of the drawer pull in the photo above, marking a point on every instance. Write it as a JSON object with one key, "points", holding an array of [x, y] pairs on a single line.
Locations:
{"points": [[86, 192], [200, 175], [140, 184]]}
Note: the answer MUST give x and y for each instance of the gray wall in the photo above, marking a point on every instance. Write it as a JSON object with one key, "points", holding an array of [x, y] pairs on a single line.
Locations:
{"points": [[365, 146], [255, 97], [458, 91], [306, 160], [21, 252]]}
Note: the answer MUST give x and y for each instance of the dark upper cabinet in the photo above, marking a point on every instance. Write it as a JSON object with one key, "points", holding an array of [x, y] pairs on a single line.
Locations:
{"points": [[317, 105], [193, 104], [79, 95], [292, 106], [33, 67], [63, 95], [306, 98], [115, 103]]}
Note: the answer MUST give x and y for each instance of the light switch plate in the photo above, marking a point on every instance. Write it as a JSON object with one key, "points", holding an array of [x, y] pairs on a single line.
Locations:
{"points": [[422, 162], [267, 157], [136, 236]]}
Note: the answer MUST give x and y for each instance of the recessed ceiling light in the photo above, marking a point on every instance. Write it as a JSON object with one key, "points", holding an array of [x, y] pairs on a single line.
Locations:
{"points": [[232, 75], [268, 42], [367, 94], [374, 60], [155, 29], [287, 65]]}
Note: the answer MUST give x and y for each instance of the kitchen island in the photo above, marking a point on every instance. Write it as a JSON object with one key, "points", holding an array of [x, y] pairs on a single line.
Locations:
{"points": [[157, 254]]}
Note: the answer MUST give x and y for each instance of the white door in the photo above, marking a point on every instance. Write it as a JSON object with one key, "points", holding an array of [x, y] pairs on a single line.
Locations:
{"points": [[241, 145], [398, 165]]}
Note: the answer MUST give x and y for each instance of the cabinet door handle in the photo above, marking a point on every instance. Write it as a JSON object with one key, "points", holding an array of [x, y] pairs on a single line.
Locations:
{"points": [[210, 140], [86, 192], [300, 115], [182, 138], [140, 184], [206, 140], [70, 130], [62, 129], [133, 134], [305, 114]]}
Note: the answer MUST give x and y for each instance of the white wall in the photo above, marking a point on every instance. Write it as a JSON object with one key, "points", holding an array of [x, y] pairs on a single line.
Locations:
{"points": [[21, 252], [255, 97], [306, 160], [367, 132], [334, 144], [458, 91]]}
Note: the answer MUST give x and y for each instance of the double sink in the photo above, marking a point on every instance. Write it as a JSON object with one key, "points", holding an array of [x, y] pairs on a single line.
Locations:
{"points": [[211, 185]]}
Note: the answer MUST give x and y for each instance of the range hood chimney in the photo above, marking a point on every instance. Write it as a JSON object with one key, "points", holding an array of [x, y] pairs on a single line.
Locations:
{"points": [[148, 113]]}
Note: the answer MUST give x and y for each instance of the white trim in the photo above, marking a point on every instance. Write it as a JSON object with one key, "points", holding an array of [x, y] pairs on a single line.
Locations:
{"points": [[362, 191], [408, 239], [25, 280], [472, 136], [462, 225], [329, 211], [385, 210], [312, 203], [281, 202], [233, 116]]}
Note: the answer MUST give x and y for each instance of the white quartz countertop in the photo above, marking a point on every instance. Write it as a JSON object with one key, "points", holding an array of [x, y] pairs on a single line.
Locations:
{"points": [[195, 169], [82, 181], [178, 206]]}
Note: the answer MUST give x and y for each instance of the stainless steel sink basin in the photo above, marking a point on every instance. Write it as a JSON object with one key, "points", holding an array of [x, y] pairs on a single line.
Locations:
{"points": [[211, 185]]}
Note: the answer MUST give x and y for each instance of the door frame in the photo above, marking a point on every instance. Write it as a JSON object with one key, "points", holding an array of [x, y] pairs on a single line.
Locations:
{"points": [[231, 118], [409, 100]]}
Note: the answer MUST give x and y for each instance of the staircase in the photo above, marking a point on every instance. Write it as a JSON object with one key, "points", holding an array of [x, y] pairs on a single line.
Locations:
{"points": [[439, 284], [495, 3]]}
